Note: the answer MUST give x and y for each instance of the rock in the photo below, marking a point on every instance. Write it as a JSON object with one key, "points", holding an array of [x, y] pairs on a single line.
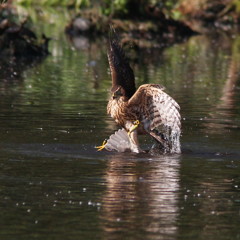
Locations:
{"points": [[81, 24]]}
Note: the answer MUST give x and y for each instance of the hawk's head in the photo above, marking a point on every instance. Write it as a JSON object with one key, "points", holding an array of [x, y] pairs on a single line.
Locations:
{"points": [[118, 92]]}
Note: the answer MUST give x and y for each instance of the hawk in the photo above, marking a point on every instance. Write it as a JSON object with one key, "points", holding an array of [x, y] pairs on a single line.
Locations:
{"points": [[146, 110]]}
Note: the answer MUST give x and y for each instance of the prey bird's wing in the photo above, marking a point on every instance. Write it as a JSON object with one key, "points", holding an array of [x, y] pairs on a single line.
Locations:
{"points": [[119, 141]]}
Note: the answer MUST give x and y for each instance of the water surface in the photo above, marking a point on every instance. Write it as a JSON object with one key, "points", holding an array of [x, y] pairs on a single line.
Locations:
{"points": [[54, 185]]}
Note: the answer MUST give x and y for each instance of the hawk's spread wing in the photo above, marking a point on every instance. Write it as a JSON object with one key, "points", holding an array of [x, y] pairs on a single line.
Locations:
{"points": [[121, 72], [156, 108]]}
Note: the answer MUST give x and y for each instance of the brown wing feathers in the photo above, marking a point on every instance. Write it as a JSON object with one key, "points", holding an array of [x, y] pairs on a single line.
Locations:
{"points": [[157, 107], [122, 74]]}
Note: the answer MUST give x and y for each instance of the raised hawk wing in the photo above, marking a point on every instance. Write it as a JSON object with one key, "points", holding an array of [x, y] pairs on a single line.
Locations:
{"points": [[121, 72], [159, 115]]}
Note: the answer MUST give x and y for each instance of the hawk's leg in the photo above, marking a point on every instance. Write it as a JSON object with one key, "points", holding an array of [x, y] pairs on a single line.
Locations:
{"points": [[134, 144], [132, 133]]}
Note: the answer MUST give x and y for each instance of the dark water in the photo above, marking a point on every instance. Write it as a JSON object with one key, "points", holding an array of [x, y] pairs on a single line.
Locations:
{"points": [[54, 185]]}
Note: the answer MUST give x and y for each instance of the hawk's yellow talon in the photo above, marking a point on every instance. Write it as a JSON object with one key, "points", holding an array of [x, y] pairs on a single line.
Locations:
{"points": [[136, 123], [100, 148]]}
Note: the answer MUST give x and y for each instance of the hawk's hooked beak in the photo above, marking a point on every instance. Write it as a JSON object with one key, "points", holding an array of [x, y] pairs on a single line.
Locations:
{"points": [[114, 95]]}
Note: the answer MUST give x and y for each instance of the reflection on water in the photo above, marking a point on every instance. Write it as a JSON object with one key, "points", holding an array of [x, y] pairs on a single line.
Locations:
{"points": [[54, 185], [135, 188], [224, 110]]}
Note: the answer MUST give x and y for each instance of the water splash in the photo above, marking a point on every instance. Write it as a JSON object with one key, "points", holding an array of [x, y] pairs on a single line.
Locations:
{"points": [[170, 144], [175, 140], [172, 140]]}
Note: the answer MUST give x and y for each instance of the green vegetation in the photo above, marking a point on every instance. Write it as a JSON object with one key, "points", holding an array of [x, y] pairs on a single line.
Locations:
{"points": [[175, 9], [139, 7], [236, 4], [63, 3]]}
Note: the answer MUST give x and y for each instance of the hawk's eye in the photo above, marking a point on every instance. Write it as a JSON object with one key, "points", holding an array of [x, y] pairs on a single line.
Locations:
{"points": [[117, 94]]}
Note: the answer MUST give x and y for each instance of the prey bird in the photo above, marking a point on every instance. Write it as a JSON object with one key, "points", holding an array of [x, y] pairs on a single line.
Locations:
{"points": [[147, 110]]}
